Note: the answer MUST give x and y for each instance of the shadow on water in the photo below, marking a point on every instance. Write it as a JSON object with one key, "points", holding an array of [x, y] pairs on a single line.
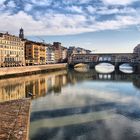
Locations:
{"points": [[85, 131], [124, 110], [118, 127], [86, 115]]}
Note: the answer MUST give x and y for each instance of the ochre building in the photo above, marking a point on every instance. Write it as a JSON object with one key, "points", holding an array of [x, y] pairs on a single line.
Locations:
{"points": [[11, 51], [35, 53]]}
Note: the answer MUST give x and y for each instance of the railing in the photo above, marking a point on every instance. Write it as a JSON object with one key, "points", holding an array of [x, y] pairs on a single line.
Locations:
{"points": [[112, 61]]}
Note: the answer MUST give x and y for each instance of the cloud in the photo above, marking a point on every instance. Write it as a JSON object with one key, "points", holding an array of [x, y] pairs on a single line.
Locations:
{"points": [[42, 2], [12, 23], [76, 9], [28, 7], [11, 4], [117, 23], [109, 11], [91, 9], [2, 1], [118, 2], [60, 24], [61, 17]]}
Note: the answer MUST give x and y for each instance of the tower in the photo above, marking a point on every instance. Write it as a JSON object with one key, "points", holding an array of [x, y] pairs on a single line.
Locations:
{"points": [[21, 33]]}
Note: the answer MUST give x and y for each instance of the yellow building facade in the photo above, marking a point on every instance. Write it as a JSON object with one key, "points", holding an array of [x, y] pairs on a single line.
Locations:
{"points": [[35, 53], [11, 51]]}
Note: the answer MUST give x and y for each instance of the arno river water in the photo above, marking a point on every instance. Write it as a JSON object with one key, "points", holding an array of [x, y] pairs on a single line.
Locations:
{"points": [[79, 105]]}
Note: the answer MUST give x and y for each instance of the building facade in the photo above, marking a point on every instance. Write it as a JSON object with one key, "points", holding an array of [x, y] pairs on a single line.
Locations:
{"points": [[136, 53], [11, 51], [57, 51], [77, 50], [35, 53], [50, 54], [71, 50], [64, 54]]}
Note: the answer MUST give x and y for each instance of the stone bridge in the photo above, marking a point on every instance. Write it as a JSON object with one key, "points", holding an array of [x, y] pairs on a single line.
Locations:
{"points": [[115, 59]]}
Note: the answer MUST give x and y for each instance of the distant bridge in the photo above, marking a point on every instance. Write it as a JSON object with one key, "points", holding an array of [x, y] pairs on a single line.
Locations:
{"points": [[115, 59]]}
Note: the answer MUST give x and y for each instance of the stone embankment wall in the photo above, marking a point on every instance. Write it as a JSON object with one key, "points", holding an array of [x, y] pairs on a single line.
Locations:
{"points": [[30, 69]]}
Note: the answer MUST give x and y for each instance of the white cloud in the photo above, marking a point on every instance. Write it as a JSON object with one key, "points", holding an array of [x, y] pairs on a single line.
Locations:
{"points": [[76, 9], [119, 22], [91, 9], [108, 11], [11, 4], [2, 1], [41, 2], [12, 23], [28, 7], [118, 2], [69, 2], [84, 1], [53, 22]]}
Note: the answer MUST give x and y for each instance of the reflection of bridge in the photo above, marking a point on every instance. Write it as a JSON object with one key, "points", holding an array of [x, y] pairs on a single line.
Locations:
{"points": [[115, 59], [117, 76], [93, 75]]}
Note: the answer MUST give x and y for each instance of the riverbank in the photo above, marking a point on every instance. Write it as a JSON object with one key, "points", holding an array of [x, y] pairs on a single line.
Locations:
{"points": [[27, 70], [15, 119]]}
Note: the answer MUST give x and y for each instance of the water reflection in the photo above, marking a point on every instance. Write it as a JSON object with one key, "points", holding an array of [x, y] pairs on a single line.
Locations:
{"points": [[38, 85], [42, 84], [91, 106], [72, 105]]}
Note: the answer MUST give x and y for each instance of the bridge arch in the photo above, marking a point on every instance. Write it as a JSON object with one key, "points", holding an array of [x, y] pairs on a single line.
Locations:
{"points": [[80, 65], [104, 68], [126, 68]]}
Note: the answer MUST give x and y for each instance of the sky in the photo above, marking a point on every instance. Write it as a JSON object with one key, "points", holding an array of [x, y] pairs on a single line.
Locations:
{"points": [[98, 25]]}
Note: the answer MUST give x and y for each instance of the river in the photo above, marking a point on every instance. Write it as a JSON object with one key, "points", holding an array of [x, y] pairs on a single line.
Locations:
{"points": [[79, 105]]}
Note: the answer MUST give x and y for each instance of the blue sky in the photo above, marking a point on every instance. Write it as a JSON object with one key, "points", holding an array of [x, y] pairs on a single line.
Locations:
{"points": [[99, 25]]}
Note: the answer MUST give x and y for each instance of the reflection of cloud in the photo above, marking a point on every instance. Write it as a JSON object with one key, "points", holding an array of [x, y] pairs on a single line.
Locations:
{"points": [[120, 126], [116, 127], [84, 96]]}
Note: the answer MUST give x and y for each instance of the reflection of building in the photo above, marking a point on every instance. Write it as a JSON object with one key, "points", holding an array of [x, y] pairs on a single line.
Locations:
{"points": [[11, 91], [36, 87], [57, 82], [136, 81], [35, 53], [64, 80], [11, 51]]}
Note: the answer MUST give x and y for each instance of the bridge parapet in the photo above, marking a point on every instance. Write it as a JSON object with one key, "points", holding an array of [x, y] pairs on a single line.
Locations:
{"points": [[96, 58]]}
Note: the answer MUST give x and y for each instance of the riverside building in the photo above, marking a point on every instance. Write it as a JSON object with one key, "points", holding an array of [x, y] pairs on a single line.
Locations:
{"points": [[35, 53], [50, 54], [11, 50], [57, 51], [64, 54], [136, 52]]}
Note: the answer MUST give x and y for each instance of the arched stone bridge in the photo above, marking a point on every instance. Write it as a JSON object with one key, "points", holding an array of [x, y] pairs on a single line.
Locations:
{"points": [[115, 59]]}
